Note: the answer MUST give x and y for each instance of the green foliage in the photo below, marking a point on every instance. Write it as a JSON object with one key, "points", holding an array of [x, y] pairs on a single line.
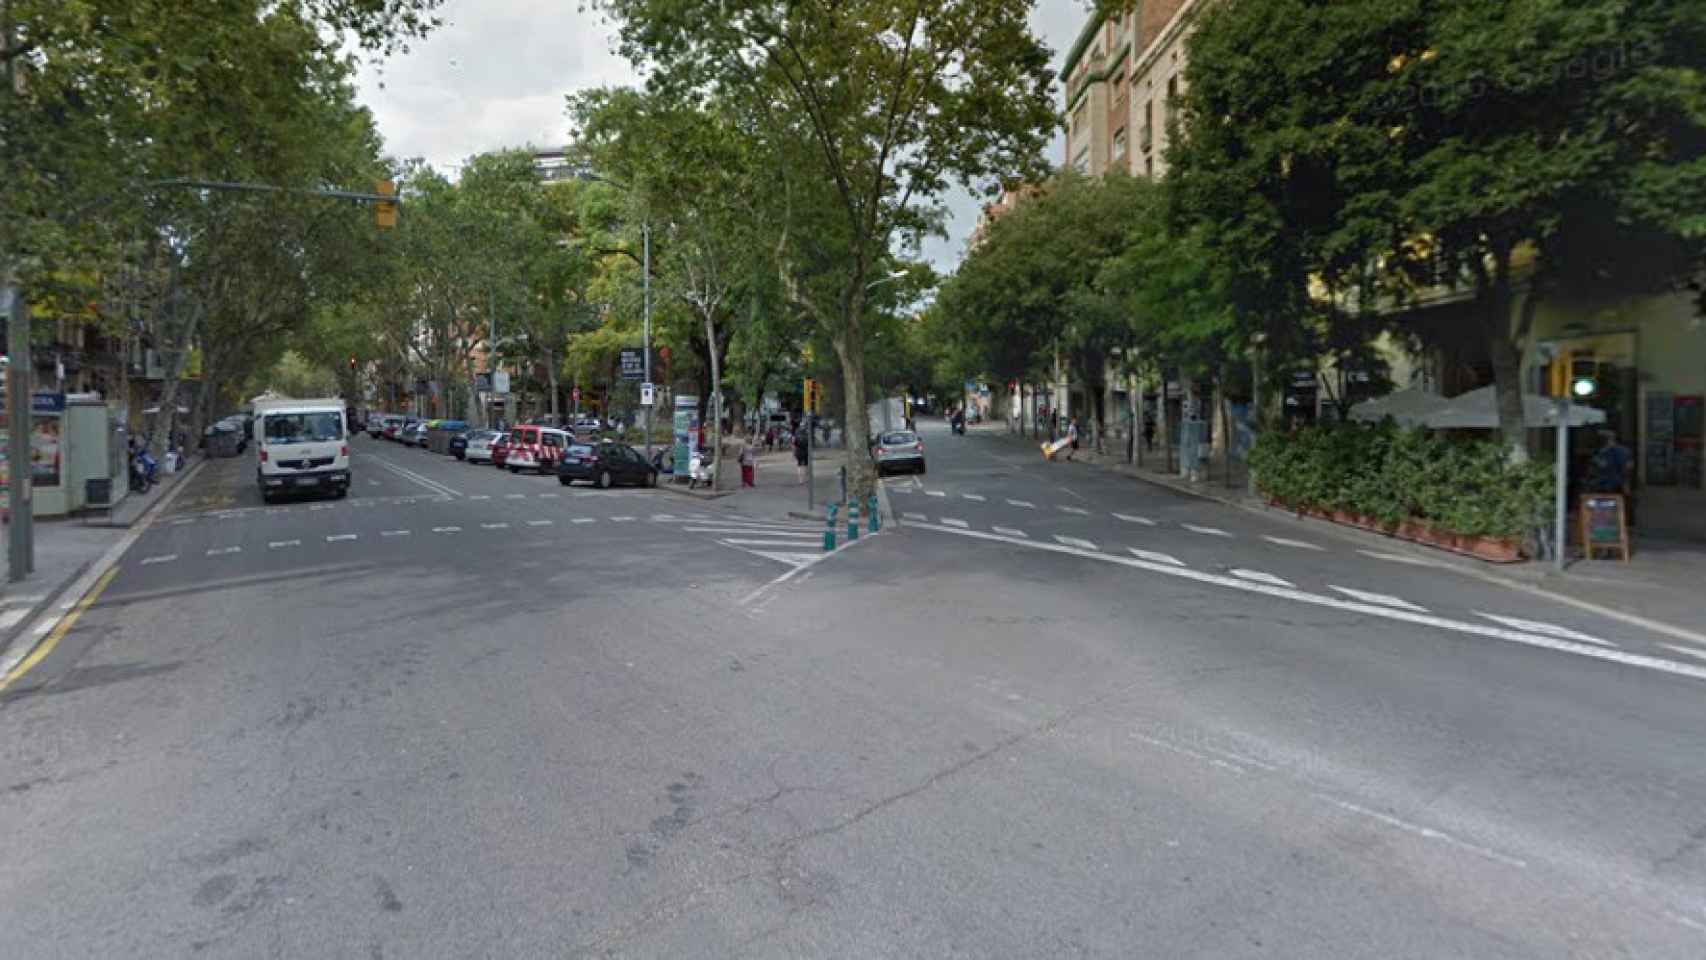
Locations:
{"points": [[1392, 475]]}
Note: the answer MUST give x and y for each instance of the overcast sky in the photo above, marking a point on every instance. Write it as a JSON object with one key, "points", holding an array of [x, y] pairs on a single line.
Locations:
{"points": [[496, 74]]}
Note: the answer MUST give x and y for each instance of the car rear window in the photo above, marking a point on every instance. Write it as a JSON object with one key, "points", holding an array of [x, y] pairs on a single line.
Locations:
{"points": [[899, 438], [580, 449]]}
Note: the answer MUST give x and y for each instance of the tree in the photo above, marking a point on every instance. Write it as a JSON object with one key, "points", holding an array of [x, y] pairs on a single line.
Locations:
{"points": [[895, 100], [1503, 149]]}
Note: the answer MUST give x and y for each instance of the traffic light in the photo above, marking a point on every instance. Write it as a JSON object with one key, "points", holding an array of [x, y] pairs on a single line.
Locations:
{"points": [[352, 362], [385, 211], [809, 395], [1574, 375]]}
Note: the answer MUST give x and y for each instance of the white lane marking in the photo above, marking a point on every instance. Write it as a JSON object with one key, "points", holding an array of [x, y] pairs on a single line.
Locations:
{"points": [[797, 560], [1075, 542], [1078, 510], [393, 533], [311, 506], [373, 483], [1384, 599], [1206, 531], [1188, 752], [1691, 651], [549, 496], [340, 536], [163, 558], [1154, 557], [1423, 831], [1128, 518], [179, 523], [480, 496], [935, 493], [664, 517], [446, 529], [1287, 542], [745, 542], [407, 474], [494, 526], [546, 523], [1407, 616], [950, 521], [1028, 505], [515, 496], [914, 516], [221, 551], [1545, 629], [974, 496], [1011, 532], [742, 528], [1398, 558], [281, 544], [11, 617], [1260, 577], [541, 523], [621, 519]]}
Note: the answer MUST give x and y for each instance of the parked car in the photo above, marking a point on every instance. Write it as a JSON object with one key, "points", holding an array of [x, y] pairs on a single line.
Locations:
{"points": [[415, 435], [376, 425], [899, 450], [458, 445], [500, 451], [605, 464], [393, 426], [587, 424], [536, 448], [477, 445]]}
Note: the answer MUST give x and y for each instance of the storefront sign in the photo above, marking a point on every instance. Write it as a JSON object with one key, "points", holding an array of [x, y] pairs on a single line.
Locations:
{"points": [[633, 365], [1603, 524]]}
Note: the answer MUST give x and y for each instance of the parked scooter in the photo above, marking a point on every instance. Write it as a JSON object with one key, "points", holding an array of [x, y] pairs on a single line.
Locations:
{"points": [[701, 470], [144, 471]]}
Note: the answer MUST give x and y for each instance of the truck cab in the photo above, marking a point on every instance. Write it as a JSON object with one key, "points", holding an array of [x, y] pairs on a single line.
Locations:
{"points": [[301, 446]]}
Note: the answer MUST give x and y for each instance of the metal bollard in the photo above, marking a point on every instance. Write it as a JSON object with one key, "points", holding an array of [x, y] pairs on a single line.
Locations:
{"points": [[871, 508], [828, 527], [852, 520]]}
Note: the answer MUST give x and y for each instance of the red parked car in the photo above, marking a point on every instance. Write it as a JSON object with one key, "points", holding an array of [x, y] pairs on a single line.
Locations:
{"points": [[500, 451]]}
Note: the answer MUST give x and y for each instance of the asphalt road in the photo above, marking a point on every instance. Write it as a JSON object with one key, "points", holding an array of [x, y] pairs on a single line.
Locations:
{"points": [[564, 722]]}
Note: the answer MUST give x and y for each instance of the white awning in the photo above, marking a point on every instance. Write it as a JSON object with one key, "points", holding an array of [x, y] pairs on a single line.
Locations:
{"points": [[1410, 407], [1478, 410]]}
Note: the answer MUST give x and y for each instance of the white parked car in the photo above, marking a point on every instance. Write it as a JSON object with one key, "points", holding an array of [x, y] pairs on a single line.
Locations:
{"points": [[480, 444], [587, 424]]}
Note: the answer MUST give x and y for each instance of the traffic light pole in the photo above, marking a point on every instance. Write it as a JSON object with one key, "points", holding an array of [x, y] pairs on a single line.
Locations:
{"points": [[20, 533], [1560, 495]]}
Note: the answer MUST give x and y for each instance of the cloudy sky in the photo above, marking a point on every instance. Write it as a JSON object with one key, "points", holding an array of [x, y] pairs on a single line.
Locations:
{"points": [[495, 76]]}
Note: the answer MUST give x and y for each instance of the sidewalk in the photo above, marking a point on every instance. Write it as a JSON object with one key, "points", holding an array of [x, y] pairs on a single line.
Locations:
{"points": [[1660, 587], [66, 549], [777, 494]]}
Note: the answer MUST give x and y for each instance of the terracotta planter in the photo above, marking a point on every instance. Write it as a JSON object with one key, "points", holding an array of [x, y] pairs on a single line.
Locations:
{"points": [[1491, 549]]}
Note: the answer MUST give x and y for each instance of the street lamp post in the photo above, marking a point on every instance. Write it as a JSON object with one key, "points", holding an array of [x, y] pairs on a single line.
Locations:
{"points": [[646, 285]]}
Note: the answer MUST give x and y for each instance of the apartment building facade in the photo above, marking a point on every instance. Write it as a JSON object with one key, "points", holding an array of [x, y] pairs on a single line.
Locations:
{"points": [[1123, 77]]}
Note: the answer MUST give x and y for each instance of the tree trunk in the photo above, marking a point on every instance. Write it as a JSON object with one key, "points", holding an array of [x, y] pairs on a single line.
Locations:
{"points": [[551, 379], [861, 475], [1506, 359], [715, 407]]}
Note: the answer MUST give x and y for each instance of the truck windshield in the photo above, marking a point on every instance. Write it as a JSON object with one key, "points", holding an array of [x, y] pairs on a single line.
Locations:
{"points": [[303, 428]]}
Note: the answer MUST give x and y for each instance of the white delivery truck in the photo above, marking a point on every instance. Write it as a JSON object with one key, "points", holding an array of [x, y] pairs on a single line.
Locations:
{"points": [[301, 446]]}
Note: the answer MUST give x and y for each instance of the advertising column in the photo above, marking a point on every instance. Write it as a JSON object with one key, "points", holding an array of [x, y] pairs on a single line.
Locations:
{"points": [[686, 432]]}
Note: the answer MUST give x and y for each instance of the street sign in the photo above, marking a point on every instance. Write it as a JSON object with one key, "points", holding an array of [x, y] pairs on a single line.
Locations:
{"points": [[483, 382], [500, 381], [646, 398], [633, 364]]}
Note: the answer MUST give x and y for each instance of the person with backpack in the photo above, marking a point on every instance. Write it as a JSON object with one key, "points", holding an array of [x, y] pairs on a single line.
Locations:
{"points": [[802, 455]]}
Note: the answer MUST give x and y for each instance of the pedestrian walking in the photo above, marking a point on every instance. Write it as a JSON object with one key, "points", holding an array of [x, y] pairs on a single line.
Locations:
{"points": [[1072, 436], [1149, 432], [826, 432], [748, 462], [802, 454]]}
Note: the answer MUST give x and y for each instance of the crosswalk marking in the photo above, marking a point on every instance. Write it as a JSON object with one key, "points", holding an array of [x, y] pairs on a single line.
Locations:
{"points": [[479, 496], [546, 523], [621, 519], [446, 529], [1207, 531], [163, 558], [221, 551], [1128, 518], [494, 526], [1287, 542], [1545, 629], [1011, 532], [1259, 577], [795, 543], [540, 523], [1026, 504], [179, 523], [1154, 557], [515, 496], [974, 496], [1691, 651], [792, 559], [393, 533], [1384, 599], [1076, 542], [951, 522], [1080, 511], [1396, 558], [334, 538], [549, 496], [935, 493]]}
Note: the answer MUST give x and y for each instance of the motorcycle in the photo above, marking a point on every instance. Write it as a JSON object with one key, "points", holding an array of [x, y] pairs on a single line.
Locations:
{"points": [[700, 470], [143, 472], [959, 426]]}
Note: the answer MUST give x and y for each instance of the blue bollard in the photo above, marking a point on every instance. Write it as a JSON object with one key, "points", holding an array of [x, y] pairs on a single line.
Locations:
{"points": [[871, 508], [852, 520], [828, 527]]}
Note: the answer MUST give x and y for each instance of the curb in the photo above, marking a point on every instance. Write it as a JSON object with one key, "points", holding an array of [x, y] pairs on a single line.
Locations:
{"points": [[40, 625], [681, 491], [48, 600], [105, 519]]}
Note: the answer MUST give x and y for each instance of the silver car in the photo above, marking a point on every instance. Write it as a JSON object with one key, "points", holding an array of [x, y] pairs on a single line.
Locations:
{"points": [[899, 450], [480, 446]]}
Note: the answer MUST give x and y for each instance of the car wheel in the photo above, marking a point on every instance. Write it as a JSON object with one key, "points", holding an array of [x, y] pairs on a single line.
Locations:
{"points": [[604, 480], [652, 480], [514, 469], [565, 481], [340, 493], [921, 469]]}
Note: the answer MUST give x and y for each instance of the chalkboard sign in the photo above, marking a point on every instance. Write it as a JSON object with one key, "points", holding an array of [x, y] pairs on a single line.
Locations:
{"points": [[1604, 526]]}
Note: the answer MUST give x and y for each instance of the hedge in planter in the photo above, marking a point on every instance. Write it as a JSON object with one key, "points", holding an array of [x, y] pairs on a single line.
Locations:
{"points": [[1390, 474]]}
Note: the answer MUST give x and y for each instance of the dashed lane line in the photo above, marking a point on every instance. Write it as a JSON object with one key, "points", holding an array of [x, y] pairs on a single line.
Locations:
{"points": [[1288, 542], [1080, 511], [1206, 531], [537, 523], [1690, 651], [281, 544], [974, 496], [393, 533], [1258, 576], [921, 518], [794, 543], [1128, 518], [515, 496], [621, 519], [447, 529], [1024, 504], [1557, 644], [222, 551], [494, 526], [1545, 629], [950, 521], [1011, 532], [1384, 599], [163, 558], [546, 523], [549, 496], [340, 537], [1076, 542], [935, 493], [479, 496], [1398, 558], [1154, 557]]}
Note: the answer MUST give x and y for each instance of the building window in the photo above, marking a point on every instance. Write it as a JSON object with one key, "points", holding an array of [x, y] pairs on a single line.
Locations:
{"points": [[1119, 144], [1149, 167], [1172, 91], [1081, 162], [1148, 134]]}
